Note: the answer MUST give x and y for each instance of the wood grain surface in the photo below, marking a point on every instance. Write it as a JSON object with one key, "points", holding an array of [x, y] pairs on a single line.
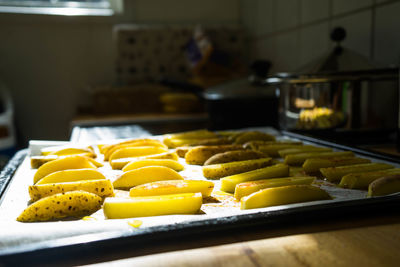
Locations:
{"points": [[366, 241]]}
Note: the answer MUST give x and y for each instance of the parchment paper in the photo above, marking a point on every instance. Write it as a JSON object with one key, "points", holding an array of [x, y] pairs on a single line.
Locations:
{"points": [[14, 234]]}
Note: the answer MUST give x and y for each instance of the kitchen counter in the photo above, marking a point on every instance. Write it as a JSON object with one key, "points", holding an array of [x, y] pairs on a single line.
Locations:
{"points": [[362, 241], [358, 238]]}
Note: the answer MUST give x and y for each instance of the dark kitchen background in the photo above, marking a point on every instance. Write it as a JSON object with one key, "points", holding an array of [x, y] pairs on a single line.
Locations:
{"points": [[60, 69]]}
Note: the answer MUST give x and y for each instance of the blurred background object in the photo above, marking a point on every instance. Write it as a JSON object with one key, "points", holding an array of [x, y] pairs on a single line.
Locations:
{"points": [[7, 130], [59, 66]]}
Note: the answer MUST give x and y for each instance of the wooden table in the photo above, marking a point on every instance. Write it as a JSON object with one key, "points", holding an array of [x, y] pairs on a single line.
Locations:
{"points": [[363, 241]]}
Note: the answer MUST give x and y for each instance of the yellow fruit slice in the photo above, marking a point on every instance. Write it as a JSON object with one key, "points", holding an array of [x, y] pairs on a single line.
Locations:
{"points": [[71, 175], [245, 189], [173, 164], [229, 183], [145, 175], [136, 152], [119, 208], [102, 188], [58, 206], [173, 187], [118, 164], [68, 162], [283, 195]]}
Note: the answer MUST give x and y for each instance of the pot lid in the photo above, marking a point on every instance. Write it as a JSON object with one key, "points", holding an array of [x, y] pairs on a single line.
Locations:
{"points": [[242, 88]]}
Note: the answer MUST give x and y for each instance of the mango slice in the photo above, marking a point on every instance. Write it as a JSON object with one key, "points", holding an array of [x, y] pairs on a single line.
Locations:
{"points": [[173, 164], [173, 187], [229, 183], [68, 162], [102, 188], [247, 188], [119, 208], [145, 175], [283, 195]]}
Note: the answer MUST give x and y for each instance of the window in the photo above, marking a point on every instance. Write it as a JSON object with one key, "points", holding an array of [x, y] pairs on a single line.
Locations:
{"points": [[62, 7]]}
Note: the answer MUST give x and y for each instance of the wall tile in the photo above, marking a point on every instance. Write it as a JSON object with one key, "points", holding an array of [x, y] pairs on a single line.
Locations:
{"points": [[281, 50], [358, 28], [182, 11], [312, 10], [264, 49], [314, 42], [343, 6], [265, 22], [387, 37], [286, 14], [249, 18], [381, 1]]}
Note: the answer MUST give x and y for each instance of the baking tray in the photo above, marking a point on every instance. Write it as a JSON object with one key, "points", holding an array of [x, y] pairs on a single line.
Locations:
{"points": [[90, 245]]}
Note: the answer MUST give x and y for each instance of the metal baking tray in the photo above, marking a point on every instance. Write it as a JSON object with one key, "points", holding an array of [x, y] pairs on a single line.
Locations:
{"points": [[92, 244]]}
